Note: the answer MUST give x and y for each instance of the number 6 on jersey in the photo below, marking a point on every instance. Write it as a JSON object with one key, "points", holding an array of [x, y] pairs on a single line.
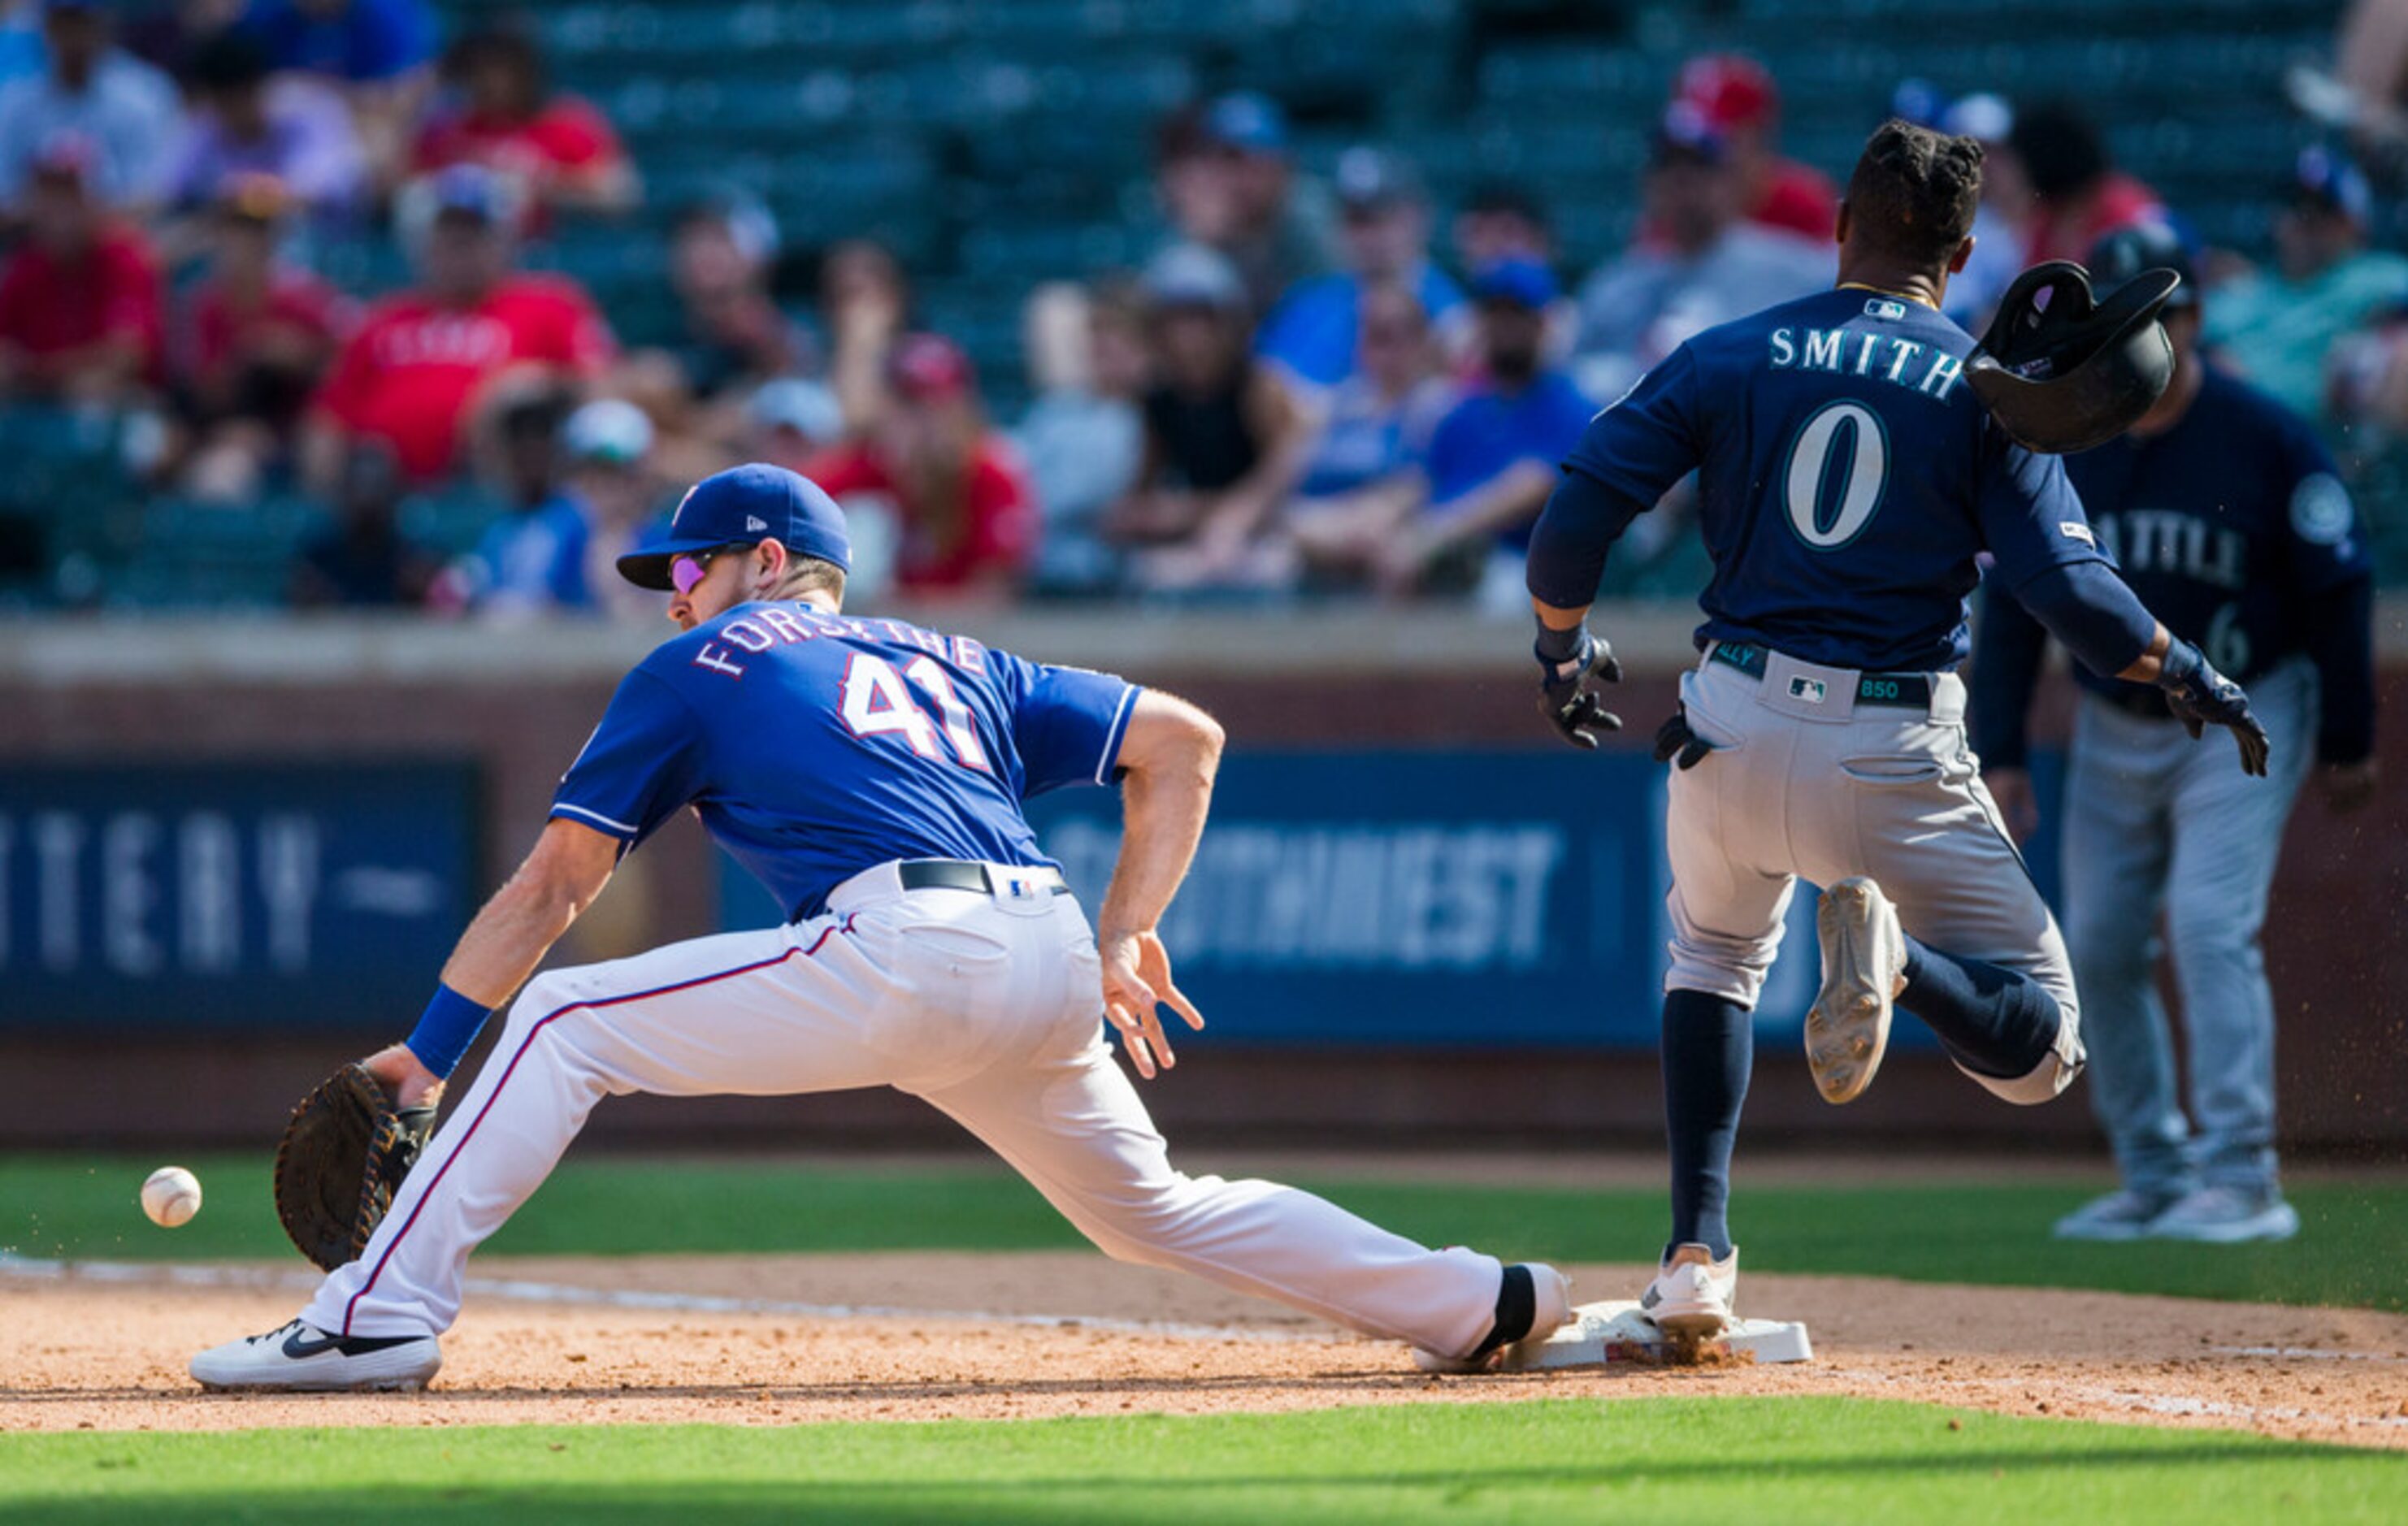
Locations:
{"points": [[879, 700]]}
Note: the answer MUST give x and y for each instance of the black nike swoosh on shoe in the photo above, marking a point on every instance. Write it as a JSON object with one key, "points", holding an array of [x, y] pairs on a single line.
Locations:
{"points": [[299, 1345]]}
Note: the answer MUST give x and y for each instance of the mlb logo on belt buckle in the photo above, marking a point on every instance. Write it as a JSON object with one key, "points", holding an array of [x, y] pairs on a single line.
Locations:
{"points": [[1017, 889], [1809, 690]]}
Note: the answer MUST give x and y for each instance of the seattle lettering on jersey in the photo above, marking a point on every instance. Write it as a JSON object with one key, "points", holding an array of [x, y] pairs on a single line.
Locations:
{"points": [[779, 625], [1892, 358], [2162, 540]]}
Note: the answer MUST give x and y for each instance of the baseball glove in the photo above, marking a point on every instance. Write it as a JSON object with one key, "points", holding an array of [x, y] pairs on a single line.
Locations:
{"points": [[343, 1155]]}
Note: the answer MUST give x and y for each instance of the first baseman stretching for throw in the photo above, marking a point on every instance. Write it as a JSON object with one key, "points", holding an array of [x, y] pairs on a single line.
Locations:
{"points": [[1847, 478], [871, 774]]}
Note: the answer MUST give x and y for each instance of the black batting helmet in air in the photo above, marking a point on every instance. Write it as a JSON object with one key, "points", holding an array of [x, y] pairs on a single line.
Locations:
{"points": [[2063, 368]]}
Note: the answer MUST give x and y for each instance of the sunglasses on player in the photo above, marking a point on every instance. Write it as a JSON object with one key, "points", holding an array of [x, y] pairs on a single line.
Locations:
{"points": [[688, 570]]}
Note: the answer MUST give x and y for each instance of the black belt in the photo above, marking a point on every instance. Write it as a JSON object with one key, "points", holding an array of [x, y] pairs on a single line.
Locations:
{"points": [[959, 874], [1909, 690]]}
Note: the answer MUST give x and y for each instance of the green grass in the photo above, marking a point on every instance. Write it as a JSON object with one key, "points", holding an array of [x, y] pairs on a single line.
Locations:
{"points": [[1706, 1459], [2352, 1249]]}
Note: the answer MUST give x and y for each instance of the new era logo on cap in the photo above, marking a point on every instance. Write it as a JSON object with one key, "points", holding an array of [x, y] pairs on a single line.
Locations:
{"points": [[753, 523]]}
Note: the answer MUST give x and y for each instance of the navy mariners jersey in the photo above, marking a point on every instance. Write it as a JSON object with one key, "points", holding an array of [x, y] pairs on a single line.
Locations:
{"points": [[1846, 480], [813, 746], [2228, 526]]}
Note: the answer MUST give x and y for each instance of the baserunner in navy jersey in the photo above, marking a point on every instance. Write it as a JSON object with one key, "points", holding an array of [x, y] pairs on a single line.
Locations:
{"points": [[1847, 479], [2230, 520], [870, 773]]}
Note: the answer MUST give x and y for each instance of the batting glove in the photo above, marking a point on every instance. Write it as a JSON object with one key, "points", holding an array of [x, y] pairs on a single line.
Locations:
{"points": [[2200, 697], [1567, 661]]}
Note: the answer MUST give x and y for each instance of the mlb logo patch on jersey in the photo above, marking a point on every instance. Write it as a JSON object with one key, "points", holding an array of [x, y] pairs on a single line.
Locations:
{"points": [[2076, 530], [1810, 690], [1885, 309]]}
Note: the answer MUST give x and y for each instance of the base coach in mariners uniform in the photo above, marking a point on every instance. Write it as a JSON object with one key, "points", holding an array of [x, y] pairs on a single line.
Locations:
{"points": [[2227, 519], [870, 773]]}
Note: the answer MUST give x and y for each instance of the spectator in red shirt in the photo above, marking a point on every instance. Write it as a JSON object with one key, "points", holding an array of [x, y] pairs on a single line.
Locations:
{"points": [[427, 359], [252, 339], [1738, 100], [501, 115], [80, 300], [2079, 195], [965, 521]]}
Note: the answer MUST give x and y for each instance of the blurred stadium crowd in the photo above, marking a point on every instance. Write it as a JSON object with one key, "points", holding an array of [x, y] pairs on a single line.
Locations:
{"points": [[350, 302]]}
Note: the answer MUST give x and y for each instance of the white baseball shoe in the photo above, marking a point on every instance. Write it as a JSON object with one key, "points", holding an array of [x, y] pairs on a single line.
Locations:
{"points": [[1692, 1293], [1864, 970], [303, 1358], [1550, 1310], [2227, 1216]]}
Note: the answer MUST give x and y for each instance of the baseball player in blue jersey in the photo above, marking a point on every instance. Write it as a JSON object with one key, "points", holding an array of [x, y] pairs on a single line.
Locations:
{"points": [[2227, 518], [1847, 479], [871, 774]]}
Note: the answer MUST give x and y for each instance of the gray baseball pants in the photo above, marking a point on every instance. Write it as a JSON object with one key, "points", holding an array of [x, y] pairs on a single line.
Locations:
{"points": [[1806, 781], [2155, 821]]}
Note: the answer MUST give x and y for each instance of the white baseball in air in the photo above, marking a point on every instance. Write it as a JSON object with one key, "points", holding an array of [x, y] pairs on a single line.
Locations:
{"points": [[171, 1196]]}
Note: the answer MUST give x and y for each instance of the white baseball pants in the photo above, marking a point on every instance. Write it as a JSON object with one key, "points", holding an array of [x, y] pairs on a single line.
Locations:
{"points": [[989, 1007], [1806, 782]]}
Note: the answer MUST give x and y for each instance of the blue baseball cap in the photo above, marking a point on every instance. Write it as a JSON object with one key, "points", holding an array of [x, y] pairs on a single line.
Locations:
{"points": [[2124, 253], [1246, 121], [2327, 179], [1525, 283], [744, 506]]}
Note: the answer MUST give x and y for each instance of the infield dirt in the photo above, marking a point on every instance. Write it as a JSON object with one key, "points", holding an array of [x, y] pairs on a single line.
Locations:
{"points": [[1034, 1334]]}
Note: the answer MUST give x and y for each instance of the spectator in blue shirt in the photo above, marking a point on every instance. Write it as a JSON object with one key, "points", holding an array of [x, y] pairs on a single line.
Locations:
{"points": [[1495, 456], [1311, 336], [356, 41], [379, 52], [532, 561], [96, 91]]}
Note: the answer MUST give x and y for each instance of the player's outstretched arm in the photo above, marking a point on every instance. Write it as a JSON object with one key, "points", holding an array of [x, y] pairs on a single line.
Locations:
{"points": [[566, 870], [1167, 759]]}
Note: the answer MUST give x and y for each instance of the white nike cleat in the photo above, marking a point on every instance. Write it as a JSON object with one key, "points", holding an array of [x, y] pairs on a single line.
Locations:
{"points": [[1550, 1310], [1692, 1295], [303, 1358], [1864, 970]]}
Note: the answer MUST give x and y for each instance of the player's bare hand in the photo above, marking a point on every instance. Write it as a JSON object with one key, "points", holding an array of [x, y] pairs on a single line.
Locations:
{"points": [[1137, 985], [2011, 787], [2349, 786], [1568, 693], [412, 1082]]}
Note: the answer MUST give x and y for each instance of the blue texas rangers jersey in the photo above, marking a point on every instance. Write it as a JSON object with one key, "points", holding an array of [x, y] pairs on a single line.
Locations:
{"points": [[2228, 526], [1847, 478], [814, 746]]}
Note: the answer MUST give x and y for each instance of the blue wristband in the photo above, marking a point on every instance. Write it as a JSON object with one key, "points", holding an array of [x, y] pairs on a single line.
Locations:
{"points": [[446, 1029]]}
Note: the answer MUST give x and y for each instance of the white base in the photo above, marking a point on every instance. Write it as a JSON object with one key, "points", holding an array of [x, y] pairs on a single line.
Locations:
{"points": [[1601, 1334]]}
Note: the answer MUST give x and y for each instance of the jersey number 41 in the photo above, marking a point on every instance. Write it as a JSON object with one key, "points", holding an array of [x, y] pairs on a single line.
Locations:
{"points": [[881, 701]]}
